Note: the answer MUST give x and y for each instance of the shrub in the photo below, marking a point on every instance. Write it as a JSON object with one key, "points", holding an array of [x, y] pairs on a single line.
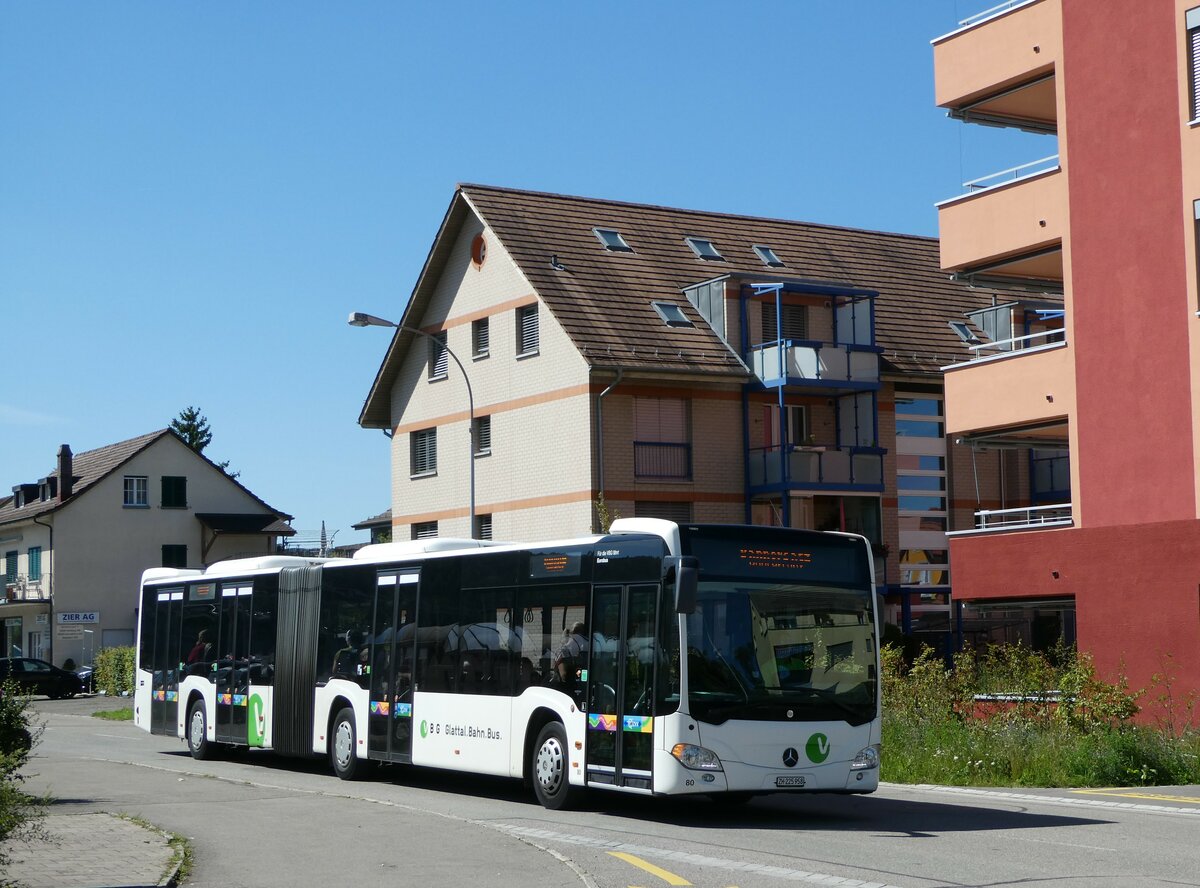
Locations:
{"points": [[114, 671], [19, 812]]}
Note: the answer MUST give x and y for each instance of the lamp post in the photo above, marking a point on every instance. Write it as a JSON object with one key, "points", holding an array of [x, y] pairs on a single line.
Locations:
{"points": [[359, 319]]}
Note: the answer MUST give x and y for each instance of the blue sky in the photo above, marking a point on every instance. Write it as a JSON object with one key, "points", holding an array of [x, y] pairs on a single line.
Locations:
{"points": [[193, 196]]}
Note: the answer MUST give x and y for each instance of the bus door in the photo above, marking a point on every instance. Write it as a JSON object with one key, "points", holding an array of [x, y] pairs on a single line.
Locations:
{"points": [[233, 664], [393, 639], [164, 688], [621, 685]]}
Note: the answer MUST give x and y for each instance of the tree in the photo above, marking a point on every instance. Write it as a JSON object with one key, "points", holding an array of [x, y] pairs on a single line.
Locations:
{"points": [[192, 426]]}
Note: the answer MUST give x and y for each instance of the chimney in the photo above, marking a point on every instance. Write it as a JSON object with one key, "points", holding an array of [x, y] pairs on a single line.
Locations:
{"points": [[65, 480]]}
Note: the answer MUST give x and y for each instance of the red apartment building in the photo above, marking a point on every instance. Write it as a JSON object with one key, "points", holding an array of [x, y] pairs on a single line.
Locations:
{"points": [[1095, 403]]}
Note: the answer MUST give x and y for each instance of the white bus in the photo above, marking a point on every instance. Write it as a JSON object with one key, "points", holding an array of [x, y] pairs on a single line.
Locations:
{"points": [[657, 659]]}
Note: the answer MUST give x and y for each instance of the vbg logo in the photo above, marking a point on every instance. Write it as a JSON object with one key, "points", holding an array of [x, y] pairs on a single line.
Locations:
{"points": [[817, 748]]}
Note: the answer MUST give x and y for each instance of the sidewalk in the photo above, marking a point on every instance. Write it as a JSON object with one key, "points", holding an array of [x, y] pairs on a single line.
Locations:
{"points": [[93, 851]]}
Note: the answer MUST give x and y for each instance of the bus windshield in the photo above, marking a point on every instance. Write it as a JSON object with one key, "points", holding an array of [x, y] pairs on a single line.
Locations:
{"points": [[780, 651]]}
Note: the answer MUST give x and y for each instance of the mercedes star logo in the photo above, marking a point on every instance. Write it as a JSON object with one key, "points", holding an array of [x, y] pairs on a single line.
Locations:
{"points": [[790, 757]]}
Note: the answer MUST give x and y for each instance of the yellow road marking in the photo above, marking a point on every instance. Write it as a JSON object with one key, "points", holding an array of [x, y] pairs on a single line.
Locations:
{"points": [[1189, 800], [669, 878]]}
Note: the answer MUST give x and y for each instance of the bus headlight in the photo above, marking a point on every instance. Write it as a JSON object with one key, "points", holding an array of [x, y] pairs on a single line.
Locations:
{"points": [[866, 760], [696, 758]]}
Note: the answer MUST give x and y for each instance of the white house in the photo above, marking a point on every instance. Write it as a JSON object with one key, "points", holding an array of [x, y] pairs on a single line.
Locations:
{"points": [[75, 542]]}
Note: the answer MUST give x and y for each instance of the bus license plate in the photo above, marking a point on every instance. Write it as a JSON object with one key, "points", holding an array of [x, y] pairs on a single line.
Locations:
{"points": [[790, 780]]}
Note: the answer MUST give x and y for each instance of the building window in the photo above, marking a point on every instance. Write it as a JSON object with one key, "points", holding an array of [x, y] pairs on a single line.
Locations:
{"points": [[480, 336], [35, 564], [174, 556], [680, 513], [612, 240], [527, 330], [174, 492], [672, 314], [137, 491], [10, 566], [704, 249], [439, 357], [424, 530], [483, 435], [1193, 50], [795, 322], [483, 527], [423, 458], [661, 439], [767, 255]]}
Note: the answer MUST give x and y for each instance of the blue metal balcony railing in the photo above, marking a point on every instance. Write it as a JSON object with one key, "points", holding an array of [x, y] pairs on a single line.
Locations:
{"points": [[798, 361], [815, 466], [658, 459]]}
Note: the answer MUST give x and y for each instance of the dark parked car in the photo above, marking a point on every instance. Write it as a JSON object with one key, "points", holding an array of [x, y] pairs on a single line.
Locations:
{"points": [[39, 677]]}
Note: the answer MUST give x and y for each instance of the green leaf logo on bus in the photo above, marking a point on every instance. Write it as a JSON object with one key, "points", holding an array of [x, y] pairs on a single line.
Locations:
{"points": [[817, 748], [424, 728], [256, 724]]}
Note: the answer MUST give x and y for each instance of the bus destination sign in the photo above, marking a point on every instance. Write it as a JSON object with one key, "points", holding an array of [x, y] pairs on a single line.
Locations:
{"points": [[554, 564], [757, 558]]}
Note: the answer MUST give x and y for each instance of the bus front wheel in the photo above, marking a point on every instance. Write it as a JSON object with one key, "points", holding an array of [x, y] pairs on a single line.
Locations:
{"points": [[550, 768], [197, 732], [343, 747]]}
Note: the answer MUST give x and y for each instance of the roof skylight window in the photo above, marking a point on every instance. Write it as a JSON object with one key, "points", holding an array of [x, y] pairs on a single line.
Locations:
{"points": [[704, 249], [964, 333], [672, 314], [612, 240], [767, 255]]}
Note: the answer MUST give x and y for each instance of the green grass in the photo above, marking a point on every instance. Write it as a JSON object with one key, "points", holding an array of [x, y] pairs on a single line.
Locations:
{"points": [[117, 715]]}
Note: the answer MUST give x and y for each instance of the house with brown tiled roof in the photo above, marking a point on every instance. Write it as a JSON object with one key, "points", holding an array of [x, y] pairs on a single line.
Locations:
{"points": [[634, 360], [76, 541]]}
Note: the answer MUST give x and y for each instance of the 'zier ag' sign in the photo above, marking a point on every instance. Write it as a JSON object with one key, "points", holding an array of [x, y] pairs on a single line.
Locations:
{"points": [[78, 618]]}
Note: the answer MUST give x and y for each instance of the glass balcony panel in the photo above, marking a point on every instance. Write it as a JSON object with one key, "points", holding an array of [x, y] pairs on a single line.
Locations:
{"points": [[868, 468]]}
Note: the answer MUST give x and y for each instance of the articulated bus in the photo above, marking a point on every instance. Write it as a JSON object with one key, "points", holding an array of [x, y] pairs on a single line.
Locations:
{"points": [[658, 659]]}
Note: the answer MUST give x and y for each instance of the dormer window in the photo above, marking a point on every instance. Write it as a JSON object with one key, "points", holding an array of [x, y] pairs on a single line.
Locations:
{"points": [[672, 314], [612, 240], [767, 255], [704, 249], [964, 333]]}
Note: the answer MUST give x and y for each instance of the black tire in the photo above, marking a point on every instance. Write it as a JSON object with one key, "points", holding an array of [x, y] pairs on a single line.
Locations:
{"points": [[198, 743], [549, 768], [343, 747]]}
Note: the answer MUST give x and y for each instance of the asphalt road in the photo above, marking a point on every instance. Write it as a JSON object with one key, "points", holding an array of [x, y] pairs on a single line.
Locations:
{"points": [[259, 820]]}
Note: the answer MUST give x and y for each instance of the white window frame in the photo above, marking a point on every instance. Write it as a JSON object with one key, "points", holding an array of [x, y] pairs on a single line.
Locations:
{"points": [[136, 492], [481, 337], [481, 436], [439, 356]]}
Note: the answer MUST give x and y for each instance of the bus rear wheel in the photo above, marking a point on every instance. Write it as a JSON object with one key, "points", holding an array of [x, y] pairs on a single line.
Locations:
{"points": [[197, 732], [549, 768], [343, 747]]}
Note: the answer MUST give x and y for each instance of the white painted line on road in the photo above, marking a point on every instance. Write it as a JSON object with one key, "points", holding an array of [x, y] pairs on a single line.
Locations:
{"points": [[1045, 800], [1063, 844], [760, 869]]}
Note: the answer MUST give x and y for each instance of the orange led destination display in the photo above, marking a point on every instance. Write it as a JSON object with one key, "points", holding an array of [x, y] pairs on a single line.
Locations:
{"points": [[774, 559], [554, 564]]}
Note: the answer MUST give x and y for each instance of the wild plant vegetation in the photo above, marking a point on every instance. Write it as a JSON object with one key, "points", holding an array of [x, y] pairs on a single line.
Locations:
{"points": [[20, 812], [1009, 716], [114, 671]]}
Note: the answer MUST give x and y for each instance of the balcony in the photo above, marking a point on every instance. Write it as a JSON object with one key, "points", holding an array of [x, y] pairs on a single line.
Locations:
{"points": [[816, 365], [1026, 518], [815, 468], [998, 68], [663, 461], [1015, 389], [1016, 216]]}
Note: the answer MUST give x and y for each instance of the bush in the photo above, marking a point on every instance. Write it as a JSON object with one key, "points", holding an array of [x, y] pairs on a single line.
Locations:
{"points": [[19, 812], [1047, 720], [114, 671]]}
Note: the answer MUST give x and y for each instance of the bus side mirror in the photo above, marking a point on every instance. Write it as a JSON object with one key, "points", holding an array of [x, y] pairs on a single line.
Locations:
{"points": [[687, 572]]}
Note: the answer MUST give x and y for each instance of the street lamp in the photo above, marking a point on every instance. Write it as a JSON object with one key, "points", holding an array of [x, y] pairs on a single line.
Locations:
{"points": [[359, 319]]}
